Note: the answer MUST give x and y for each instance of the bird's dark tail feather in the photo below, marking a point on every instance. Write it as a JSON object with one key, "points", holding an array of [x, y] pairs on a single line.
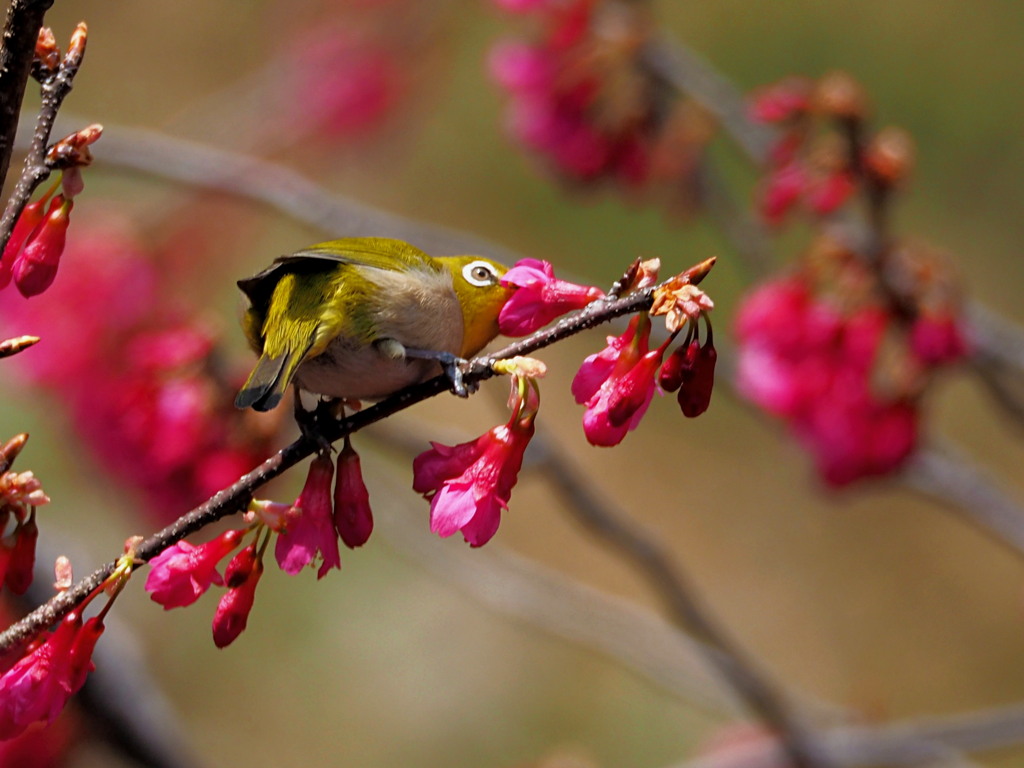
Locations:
{"points": [[266, 384]]}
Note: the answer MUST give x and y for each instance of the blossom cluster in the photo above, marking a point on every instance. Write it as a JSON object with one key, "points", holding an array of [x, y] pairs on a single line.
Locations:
{"points": [[823, 155], [38, 678], [824, 349], [617, 385], [307, 532], [468, 485], [582, 99]]}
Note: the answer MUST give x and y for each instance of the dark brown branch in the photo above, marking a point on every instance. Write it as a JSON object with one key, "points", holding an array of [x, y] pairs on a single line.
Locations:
{"points": [[234, 498], [21, 30]]}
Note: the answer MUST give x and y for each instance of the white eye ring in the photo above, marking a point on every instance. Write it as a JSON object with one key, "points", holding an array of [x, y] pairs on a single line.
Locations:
{"points": [[480, 273]]}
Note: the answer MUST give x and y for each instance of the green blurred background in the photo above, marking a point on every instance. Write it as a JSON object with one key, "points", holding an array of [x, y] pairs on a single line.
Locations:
{"points": [[871, 598]]}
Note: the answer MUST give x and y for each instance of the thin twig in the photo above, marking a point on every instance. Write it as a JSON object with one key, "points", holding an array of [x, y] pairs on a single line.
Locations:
{"points": [[926, 741], [37, 168], [950, 479], [653, 561]]}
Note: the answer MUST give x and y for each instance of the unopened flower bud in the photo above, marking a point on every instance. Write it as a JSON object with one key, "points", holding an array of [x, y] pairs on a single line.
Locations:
{"points": [[13, 346], [242, 575], [10, 450], [679, 366], [890, 156], [76, 48], [36, 266], [47, 54], [695, 393], [353, 518], [23, 557], [840, 95], [26, 225]]}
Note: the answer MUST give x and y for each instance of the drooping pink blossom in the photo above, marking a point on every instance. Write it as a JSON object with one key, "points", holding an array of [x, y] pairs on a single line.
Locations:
{"points": [[38, 686], [242, 577], [312, 533], [353, 518], [469, 484], [182, 573], [539, 297], [596, 368], [617, 384]]}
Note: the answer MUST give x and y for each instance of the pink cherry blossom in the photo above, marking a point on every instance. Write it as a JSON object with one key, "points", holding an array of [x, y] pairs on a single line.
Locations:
{"points": [[312, 533], [182, 573], [617, 384], [39, 685], [470, 483], [597, 368], [539, 297]]}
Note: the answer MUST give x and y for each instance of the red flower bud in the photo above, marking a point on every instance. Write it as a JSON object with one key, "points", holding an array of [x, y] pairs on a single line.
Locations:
{"points": [[31, 217], [36, 267], [679, 366], [23, 557], [353, 518], [695, 392], [242, 575]]}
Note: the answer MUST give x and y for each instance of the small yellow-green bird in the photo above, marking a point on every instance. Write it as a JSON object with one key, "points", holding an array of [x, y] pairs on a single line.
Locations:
{"points": [[362, 317]]}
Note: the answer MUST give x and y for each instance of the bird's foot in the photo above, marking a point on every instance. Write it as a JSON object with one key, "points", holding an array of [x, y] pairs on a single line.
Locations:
{"points": [[312, 422], [450, 364]]}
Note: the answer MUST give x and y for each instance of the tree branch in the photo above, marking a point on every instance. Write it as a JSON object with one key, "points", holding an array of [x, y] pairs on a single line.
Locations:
{"points": [[644, 551], [234, 498], [55, 86], [21, 30]]}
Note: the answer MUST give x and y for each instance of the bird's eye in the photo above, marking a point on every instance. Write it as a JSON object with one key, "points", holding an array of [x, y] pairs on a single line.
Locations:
{"points": [[480, 273]]}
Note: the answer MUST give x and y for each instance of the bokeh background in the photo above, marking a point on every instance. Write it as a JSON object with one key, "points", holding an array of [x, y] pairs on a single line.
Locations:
{"points": [[871, 598]]}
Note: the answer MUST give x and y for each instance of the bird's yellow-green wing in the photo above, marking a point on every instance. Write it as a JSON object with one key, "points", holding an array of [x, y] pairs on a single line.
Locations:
{"points": [[306, 299]]}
